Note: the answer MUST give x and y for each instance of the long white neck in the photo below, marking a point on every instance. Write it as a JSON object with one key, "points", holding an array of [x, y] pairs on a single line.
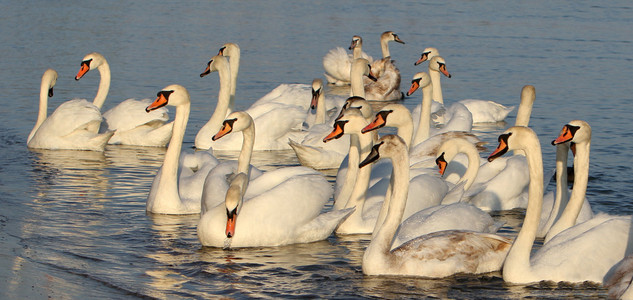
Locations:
{"points": [[356, 82], [577, 197], [319, 118], [248, 141], [43, 110], [517, 263], [473, 166], [234, 65], [168, 184], [203, 138], [380, 244], [104, 84], [561, 197], [343, 195], [424, 125], [525, 107], [437, 85], [384, 46], [405, 128], [358, 50], [357, 198]]}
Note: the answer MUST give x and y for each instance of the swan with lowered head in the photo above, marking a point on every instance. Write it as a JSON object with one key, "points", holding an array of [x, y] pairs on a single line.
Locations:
{"points": [[280, 207], [171, 194], [279, 114], [584, 252], [483, 111], [72, 126], [438, 254], [131, 124]]}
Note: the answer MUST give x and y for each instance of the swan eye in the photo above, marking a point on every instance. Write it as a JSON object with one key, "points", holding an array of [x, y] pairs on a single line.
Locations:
{"points": [[164, 94], [86, 62], [572, 129]]}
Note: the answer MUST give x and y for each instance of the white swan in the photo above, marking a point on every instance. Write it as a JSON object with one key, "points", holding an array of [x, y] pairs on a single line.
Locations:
{"points": [[438, 254], [171, 193], [312, 151], [337, 62], [71, 126], [279, 114], [584, 252], [279, 207], [131, 124], [483, 111]]}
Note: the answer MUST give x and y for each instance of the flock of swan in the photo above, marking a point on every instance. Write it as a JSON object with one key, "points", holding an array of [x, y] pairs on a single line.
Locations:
{"points": [[421, 224]]}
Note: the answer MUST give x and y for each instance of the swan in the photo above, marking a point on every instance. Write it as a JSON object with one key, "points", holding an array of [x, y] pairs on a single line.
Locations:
{"points": [[584, 252], [437, 254], [71, 126], [170, 193], [483, 111], [311, 151], [279, 207], [279, 114], [337, 62], [387, 87], [131, 124]]}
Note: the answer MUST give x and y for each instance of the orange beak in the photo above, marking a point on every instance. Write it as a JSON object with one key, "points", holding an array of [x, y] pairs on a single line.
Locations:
{"points": [[501, 149], [422, 59], [226, 129], [377, 123], [315, 99], [444, 71], [207, 70], [230, 226], [565, 136], [83, 70], [160, 101], [336, 133], [441, 164], [414, 87]]}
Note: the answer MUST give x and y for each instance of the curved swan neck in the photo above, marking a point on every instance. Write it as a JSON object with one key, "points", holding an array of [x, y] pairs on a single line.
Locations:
{"points": [[385, 232], [561, 197], [43, 109], [473, 166], [517, 263], [234, 65], [248, 142], [358, 50], [357, 85], [424, 125], [359, 192], [577, 197], [169, 176], [384, 47], [437, 85], [353, 159], [104, 84], [405, 129], [203, 137]]}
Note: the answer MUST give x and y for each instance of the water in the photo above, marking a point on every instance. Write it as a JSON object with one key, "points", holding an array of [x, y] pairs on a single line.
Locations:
{"points": [[73, 224]]}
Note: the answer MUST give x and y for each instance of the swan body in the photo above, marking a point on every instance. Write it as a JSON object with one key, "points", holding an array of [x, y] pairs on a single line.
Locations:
{"points": [[312, 151], [483, 111], [277, 208], [171, 193], [437, 254], [130, 123], [619, 282], [72, 126], [584, 252], [279, 114]]}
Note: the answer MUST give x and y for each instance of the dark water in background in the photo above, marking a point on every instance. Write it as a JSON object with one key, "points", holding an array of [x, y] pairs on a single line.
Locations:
{"points": [[73, 224]]}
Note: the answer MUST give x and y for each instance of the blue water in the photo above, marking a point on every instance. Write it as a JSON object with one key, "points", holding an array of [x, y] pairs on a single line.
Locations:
{"points": [[73, 224]]}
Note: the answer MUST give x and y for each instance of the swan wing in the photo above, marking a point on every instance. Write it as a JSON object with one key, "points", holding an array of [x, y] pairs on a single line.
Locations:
{"points": [[131, 113]]}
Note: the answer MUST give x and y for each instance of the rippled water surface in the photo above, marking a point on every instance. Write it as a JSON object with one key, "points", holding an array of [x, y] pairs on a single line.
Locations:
{"points": [[73, 224]]}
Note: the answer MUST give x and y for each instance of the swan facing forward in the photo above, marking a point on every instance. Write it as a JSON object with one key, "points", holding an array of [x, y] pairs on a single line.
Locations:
{"points": [[72, 126], [279, 207], [131, 124], [437, 254]]}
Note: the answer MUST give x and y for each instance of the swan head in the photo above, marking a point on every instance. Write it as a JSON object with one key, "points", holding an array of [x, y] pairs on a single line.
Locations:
{"points": [[390, 36], [229, 49], [90, 62], [438, 64], [574, 132], [233, 202], [427, 54], [391, 115], [362, 66], [234, 122], [317, 91], [515, 138], [357, 41], [420, 80], [449, 149], [351, 121], [214, 64], [388, 146], [359, 103], [174, 95], [50, 79]]}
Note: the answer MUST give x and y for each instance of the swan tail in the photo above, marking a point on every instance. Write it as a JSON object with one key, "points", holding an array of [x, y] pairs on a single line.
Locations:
{"points": [[323, 225], [315, 157]]}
